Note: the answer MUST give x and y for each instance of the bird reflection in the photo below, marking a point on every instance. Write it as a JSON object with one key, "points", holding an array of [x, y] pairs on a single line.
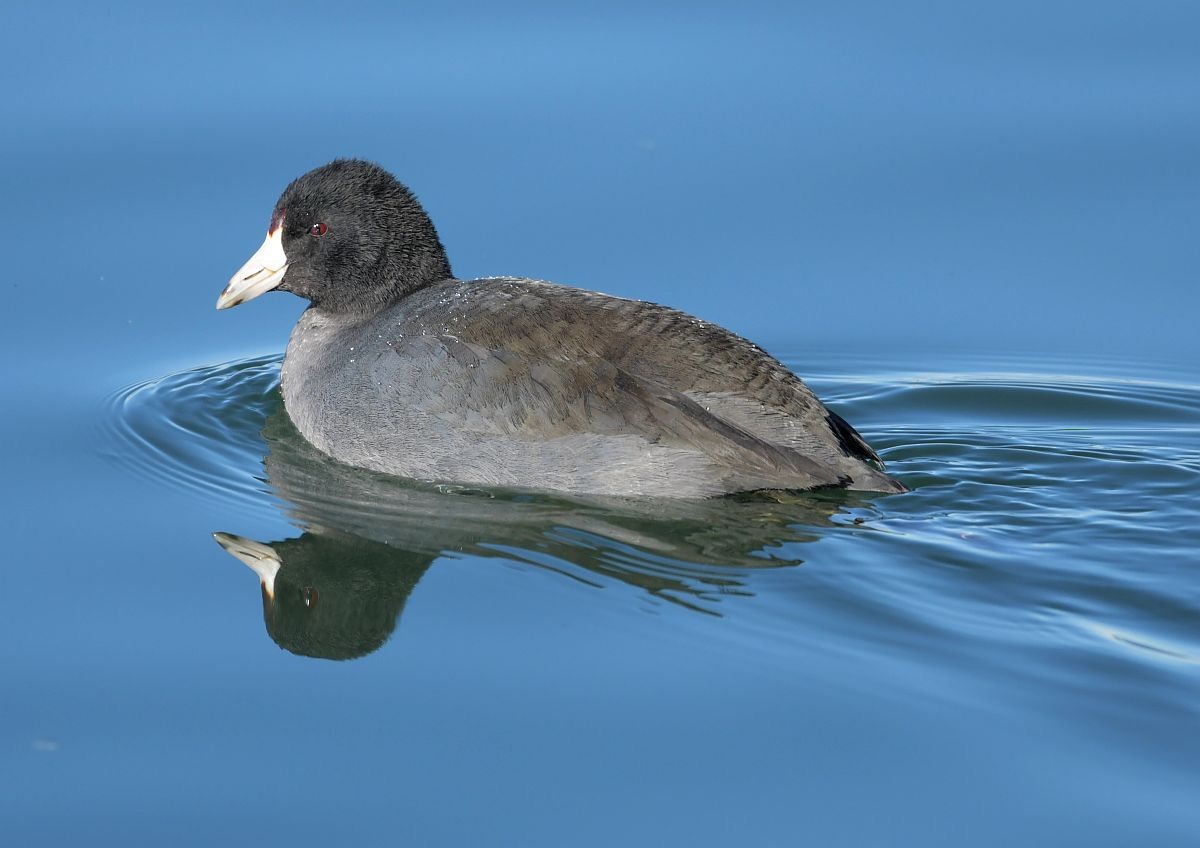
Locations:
{"points": [[330, 595], [337, 590]]}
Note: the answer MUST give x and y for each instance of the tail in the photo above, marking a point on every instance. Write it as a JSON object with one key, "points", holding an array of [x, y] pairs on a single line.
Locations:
{"points": [[869, 479]]}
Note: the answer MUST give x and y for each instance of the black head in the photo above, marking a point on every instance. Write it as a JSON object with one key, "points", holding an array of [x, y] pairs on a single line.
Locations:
{"points": [[347, 236]]}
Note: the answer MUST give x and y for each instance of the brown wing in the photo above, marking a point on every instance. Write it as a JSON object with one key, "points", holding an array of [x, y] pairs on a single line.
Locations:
{"points": [[529, 395], [729, 376]]}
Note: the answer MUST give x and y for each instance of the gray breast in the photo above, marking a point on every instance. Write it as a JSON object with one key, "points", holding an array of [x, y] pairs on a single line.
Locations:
{"points": [[506, 382]]}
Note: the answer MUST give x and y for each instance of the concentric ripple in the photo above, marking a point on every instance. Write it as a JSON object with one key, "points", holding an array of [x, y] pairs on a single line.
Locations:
{"points": [[202, 429], [1030, 490], [199, 429], [1052, 513]]}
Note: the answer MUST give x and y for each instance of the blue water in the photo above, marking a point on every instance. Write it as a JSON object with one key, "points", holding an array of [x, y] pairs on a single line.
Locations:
{"points": [[973, 231]]}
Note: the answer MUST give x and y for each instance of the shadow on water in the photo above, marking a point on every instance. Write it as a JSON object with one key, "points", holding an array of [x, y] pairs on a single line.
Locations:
{"points": [[337, 590]]}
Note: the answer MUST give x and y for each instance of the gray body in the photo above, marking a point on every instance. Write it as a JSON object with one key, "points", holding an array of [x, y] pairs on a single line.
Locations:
{"points": [[517, 383]]}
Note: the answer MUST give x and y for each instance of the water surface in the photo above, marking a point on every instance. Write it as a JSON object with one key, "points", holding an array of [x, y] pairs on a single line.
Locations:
{"points": [[986, 657], [972, 229]]}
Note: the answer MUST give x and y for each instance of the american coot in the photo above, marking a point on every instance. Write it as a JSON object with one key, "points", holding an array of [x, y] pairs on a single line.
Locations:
{"points": [[399, 367]]}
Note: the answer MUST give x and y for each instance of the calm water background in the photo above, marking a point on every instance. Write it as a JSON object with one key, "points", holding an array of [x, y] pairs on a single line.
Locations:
{"points": [[972, 229]]}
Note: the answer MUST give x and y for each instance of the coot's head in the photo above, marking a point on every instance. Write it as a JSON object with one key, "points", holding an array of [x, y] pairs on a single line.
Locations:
{"points": [[347, 236]]}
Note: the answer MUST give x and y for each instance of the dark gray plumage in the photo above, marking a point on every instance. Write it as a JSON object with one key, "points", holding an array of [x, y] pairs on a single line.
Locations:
{"points": [[400, 368]]}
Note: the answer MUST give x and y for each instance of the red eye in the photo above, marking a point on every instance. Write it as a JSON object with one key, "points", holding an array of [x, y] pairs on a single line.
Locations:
{"points": [[318, 230]]}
